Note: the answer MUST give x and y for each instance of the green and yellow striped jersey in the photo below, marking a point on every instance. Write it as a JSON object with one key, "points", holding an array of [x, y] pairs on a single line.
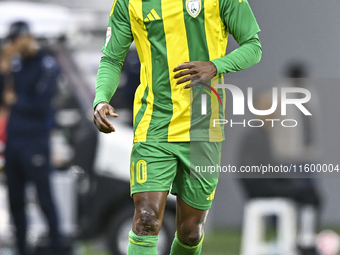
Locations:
{"points": [[168, 33]]}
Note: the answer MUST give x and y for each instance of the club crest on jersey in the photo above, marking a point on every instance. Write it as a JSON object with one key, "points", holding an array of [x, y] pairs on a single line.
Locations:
{"points": [[194, 7]]}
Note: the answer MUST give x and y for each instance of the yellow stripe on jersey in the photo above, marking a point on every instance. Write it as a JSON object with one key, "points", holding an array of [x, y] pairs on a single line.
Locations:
{"points": [[113, 7], [217, 41], [179, 127], [215, 133], [143, 46], [217, 38]]}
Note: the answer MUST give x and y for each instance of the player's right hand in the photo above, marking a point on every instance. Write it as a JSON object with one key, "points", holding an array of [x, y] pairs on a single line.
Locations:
{"points": [[100, 120]]}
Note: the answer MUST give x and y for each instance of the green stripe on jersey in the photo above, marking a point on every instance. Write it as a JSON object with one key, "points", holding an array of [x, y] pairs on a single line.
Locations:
{"points": [[141, 111], [198, 50], [162, 106]]}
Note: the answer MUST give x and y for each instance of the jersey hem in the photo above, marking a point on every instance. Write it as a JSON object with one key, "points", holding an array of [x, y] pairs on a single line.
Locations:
{"points": [[180, 139], [193, 204], [144, 189]]}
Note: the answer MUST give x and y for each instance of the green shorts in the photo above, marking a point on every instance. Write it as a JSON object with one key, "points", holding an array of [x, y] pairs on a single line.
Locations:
{"points": [[156, 166]]}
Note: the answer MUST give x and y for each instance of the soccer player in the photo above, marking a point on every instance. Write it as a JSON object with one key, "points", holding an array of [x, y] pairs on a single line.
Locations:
{"points": [[180, 43]]}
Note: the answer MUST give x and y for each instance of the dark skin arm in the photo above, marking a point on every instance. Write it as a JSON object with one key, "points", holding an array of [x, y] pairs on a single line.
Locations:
{"points": [[195, 71], [100, 120], [7, 52]]}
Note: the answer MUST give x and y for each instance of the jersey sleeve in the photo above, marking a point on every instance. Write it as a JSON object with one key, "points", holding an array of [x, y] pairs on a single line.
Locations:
{"points": [[116, 45], [240, 22], [118, 35]]}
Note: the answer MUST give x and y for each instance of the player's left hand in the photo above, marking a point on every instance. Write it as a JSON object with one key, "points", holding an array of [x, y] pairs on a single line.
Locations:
{"points": [[197, 71]]}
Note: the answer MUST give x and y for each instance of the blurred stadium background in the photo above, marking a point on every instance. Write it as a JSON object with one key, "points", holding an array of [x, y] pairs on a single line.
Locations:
{"points": [[292, 31]]}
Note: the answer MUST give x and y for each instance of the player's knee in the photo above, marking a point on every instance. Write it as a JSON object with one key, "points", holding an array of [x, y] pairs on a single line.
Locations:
{"points": [[147, 222], [190, 234]]}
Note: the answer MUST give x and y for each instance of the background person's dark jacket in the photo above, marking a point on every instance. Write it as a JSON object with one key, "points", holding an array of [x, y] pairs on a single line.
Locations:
{"points": [[35, 84]]}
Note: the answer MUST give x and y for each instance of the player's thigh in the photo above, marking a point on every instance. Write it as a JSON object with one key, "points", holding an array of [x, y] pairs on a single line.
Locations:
{"points": [[197, 189], [153, 167]]}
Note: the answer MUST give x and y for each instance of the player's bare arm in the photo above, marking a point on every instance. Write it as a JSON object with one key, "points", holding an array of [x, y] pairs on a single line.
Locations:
{"points": [[195, 71], [99, 117]]}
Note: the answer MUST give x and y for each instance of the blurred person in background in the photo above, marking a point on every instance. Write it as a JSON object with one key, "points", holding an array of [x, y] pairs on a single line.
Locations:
{"points": [[28, 80], [284, 145]]}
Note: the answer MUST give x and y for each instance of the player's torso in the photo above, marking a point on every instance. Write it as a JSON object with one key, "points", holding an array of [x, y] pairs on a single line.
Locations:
{"points": [[188, 29], [168, 33]]}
